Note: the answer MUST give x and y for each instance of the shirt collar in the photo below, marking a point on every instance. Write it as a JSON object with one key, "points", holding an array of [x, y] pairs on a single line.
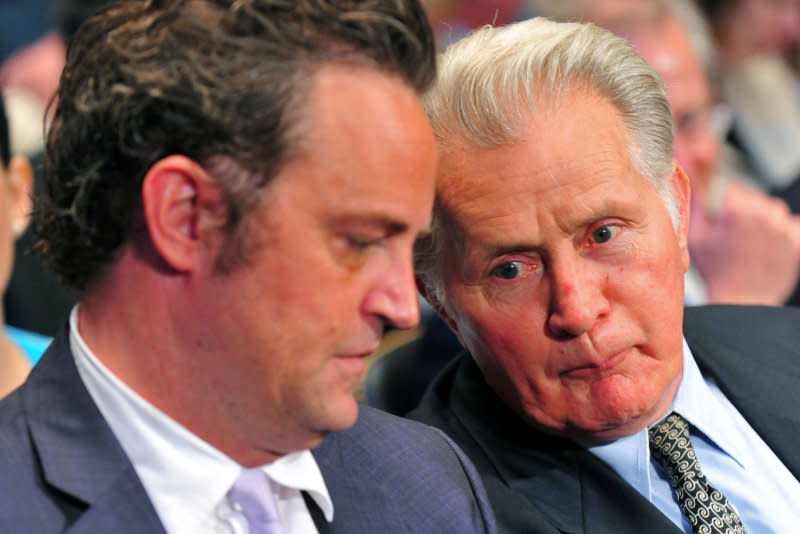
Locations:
{"points": [[696, 403], [299, 470], [694, 400], [179, 470]]}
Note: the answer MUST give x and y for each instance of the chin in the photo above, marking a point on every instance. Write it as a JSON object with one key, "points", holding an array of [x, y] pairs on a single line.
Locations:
{"points": [[615, 425], [339, 414]]}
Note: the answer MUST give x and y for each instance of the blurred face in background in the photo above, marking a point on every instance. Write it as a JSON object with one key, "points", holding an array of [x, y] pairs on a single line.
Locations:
{"points": [[666, 47], [760, 26]]}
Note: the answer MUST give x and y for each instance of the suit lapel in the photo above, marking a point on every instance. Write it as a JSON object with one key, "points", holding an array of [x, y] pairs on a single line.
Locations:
{"points": [[577, 492], [611, 505], [123, 508], [581, 494], [764, 392], [78, 453], [359, 503]]}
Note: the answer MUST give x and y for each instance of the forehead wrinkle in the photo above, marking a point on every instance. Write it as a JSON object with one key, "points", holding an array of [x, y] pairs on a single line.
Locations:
{"points": [[575, 201], [468, 184], [476, 217], [465, 191]]}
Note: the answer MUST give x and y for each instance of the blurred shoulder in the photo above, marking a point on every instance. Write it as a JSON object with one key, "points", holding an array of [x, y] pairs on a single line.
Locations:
{"points": [[763, 322], [392, 439], [732, 335], [386, 472]]}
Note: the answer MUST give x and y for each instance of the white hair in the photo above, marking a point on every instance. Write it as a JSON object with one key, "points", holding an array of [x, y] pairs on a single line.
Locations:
{"points": [[491, 82]]}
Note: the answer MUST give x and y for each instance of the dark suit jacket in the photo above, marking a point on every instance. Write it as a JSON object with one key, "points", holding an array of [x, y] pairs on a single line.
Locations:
{"points": [[63, 470], [540, 483]]}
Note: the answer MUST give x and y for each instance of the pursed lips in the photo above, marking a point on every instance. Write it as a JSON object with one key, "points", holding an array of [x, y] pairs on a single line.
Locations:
{"points": [[597, 366]]}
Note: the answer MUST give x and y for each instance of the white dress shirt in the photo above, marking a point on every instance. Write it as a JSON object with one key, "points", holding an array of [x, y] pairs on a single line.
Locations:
{"points": [[186, 478]]}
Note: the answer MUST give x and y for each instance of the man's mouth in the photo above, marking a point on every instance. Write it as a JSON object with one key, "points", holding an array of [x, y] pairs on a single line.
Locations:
{"points": [[597, 369]]}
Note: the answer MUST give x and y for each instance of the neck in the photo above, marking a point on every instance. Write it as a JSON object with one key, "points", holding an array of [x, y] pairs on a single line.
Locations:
{"points": [[139, 324]]}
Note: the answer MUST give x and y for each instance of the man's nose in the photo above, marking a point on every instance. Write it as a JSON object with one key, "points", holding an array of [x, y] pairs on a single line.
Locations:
{"points": [[705, 154], [393, 296], [576, 299]]}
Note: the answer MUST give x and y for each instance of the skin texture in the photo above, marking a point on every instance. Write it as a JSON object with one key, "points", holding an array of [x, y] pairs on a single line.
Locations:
{"points": [[744, 243], [565, 274], [264, 361]]}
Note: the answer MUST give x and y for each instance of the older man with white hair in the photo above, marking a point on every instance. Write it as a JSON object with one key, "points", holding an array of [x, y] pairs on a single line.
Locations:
{"points": [[587, 401]]}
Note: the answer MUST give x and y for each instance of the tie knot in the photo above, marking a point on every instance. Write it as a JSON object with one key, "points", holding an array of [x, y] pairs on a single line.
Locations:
{"points": [[670, 436], [252, 496]]}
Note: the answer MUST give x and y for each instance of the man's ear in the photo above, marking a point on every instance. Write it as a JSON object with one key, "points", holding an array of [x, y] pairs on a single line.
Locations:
{"points": [[682, 191], [182, 206], [20, 182], [435, 303]]}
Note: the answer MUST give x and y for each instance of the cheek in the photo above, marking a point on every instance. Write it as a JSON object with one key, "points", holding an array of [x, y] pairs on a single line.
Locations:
{"points": [[507, 332], [648, 297], [511, 354], [655, 270]]}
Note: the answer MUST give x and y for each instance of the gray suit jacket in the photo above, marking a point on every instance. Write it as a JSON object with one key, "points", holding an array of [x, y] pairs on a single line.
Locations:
{"points": [[542, 484], [63, 470]]}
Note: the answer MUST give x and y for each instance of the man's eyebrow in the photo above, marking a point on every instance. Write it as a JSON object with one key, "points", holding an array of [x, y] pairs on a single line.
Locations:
{"points": [[375, 220], [501, 249], [596, 211]]}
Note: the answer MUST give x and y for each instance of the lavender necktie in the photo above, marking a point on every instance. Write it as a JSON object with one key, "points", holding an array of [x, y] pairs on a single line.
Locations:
{"points": [[252, 496]]}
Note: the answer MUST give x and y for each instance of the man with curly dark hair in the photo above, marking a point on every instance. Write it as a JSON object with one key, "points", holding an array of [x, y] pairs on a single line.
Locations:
{"points": [[234, 188]]}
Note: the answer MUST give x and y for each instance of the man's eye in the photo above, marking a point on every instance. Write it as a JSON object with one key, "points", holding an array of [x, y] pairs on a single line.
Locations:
{"points": [[508, 271], [361, 243], [604, 234]]}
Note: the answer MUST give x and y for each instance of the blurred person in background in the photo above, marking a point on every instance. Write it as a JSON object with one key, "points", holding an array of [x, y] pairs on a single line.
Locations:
{"points": [[18, 348], [745, 245], [34, 49], [453, 19], [743, 29], [29, 73], [758, 86]]}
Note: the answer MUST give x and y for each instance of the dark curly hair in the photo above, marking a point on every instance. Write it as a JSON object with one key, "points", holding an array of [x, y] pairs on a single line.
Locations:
{"points": [[220, 81]]}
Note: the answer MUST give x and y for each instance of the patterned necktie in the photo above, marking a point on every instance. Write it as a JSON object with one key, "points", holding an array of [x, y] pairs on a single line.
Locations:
{"points": [[252, 496], [706, 508]]}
